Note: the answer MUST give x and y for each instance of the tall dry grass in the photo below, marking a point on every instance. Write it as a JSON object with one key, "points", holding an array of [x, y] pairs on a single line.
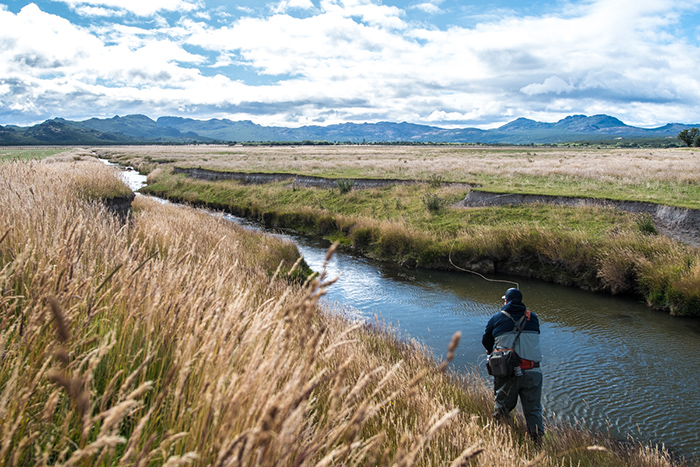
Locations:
{"points": [[454, 163], [175, 340]]}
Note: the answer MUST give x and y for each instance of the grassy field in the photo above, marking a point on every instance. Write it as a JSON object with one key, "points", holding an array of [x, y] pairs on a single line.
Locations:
{"points": [[9, 153], [593, 248], [665, 176], [178, 339]]}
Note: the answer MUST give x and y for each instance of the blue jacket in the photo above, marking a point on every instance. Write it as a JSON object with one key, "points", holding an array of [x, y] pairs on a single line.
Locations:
{"points": [[500, 332]]}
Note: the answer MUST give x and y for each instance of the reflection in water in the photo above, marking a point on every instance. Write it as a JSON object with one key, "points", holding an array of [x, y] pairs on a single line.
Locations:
{"points": [[133, 179], [606, 359]]}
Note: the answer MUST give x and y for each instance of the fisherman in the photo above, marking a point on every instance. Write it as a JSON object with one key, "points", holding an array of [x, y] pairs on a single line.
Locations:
{"points": [[500, 333]]}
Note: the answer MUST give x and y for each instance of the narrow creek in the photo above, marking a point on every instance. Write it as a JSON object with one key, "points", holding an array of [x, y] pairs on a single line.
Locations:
{"points": [[610, 363]]}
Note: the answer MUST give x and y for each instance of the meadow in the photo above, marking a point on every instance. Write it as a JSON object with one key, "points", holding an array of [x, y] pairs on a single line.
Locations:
{"points": [[593, 248], [665, 176], [28, 153], [178, 338]]}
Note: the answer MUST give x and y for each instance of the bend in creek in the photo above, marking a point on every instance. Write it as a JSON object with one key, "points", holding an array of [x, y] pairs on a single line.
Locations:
{"points": [[609, 363], [132, 178]]}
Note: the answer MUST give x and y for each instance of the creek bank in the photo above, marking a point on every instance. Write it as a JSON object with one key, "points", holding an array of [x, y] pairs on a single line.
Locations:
{"points": [[625, 262], [120, 206], [305, 181], [682, 224]]}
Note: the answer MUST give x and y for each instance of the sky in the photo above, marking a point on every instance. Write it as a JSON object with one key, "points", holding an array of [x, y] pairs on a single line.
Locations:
{"points": [[444, 63]]}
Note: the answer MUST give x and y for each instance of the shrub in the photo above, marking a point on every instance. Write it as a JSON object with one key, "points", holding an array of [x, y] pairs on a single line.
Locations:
{"points": [[269, 218], [345, 186], [394, 241], [326, 224], [645, 224], [435, 180], [432, 202], [685, 299], [190, 196], [617, 270], [362, 234]]}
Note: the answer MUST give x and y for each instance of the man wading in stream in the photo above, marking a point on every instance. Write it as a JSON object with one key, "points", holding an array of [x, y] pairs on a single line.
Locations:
{"points": [[526, 382]]}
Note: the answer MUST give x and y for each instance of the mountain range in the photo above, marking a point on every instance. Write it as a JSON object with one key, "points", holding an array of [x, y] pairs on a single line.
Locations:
{"points": [[140, 129]]}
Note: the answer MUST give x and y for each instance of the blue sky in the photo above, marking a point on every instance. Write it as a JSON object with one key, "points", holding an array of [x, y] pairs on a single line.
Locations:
{"points": [[318, 62]]}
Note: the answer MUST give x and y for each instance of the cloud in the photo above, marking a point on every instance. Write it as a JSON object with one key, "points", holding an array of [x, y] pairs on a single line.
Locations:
{"points": [[286, 5], [553, 84], [352, 60], [98, 11], [77, 61], [439, 116], [367, 11], [137, 7], [428, 7]]}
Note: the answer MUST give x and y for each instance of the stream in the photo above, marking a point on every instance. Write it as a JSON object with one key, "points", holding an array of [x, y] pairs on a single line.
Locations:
{"points": [[608, 361]]}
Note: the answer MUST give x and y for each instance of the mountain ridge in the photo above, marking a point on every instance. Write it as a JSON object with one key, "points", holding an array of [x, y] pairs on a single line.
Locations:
{"points": [[136, 129]]}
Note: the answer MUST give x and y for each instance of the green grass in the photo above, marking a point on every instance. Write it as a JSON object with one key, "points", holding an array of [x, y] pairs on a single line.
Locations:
{"points": [[396, 203], [685, 195], [671, 193], [9, 154], [664, 176], [594, 248]]}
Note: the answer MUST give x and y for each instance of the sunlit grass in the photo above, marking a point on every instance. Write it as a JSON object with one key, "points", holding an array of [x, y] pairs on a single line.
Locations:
{"points": [[175, 339], [665, 176], [594, 248], [27, 153]]}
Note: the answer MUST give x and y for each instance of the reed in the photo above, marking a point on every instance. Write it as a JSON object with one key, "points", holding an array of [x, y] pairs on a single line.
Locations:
{"points": [[175, 339]]}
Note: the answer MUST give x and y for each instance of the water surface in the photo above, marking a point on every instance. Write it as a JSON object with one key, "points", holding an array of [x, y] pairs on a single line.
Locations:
{"points": [[609, 363]]}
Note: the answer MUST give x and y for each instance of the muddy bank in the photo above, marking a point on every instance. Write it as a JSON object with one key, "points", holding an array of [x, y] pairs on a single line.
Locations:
{"points": [[306, 181], [682, 224], [120, 206]]}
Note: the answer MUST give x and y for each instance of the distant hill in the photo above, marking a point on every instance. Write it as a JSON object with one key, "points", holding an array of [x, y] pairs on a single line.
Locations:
{"points": [[223, 130], [57, 131], [140, 129]]}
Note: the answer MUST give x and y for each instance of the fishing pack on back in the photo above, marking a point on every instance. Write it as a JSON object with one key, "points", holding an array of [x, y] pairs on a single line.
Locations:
{"points": [[504, 363]]}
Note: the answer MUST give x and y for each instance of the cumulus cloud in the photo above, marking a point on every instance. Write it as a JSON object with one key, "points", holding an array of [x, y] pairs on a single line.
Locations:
{"points": [[79, 64], [353, 60], [553, 84], [442, 116]]}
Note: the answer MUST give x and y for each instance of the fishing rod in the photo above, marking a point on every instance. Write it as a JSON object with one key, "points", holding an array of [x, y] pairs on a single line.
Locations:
{"points": [[517, 286]]}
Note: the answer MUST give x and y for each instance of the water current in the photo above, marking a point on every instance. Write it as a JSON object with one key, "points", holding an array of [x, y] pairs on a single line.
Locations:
{"points": [[610, 363]]}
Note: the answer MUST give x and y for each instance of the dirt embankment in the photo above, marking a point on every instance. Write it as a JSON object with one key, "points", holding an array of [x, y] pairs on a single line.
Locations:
{"points": [[681, 224], [120, 205], [307, 181]]}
